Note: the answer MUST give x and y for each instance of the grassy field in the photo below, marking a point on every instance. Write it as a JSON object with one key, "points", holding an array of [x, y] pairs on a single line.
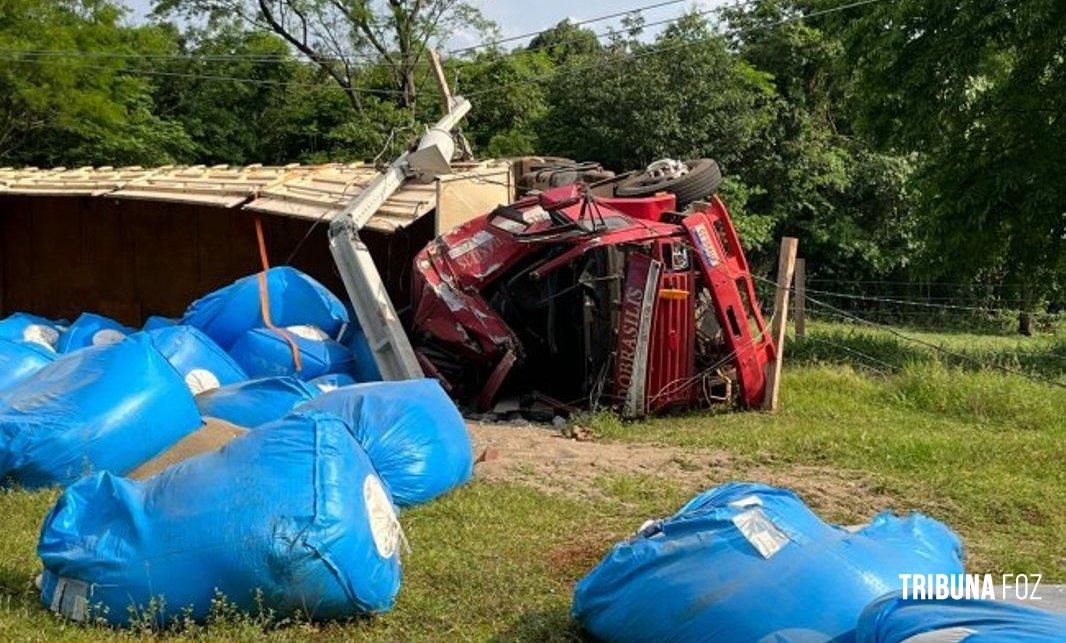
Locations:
{"points": [[978, 449]]}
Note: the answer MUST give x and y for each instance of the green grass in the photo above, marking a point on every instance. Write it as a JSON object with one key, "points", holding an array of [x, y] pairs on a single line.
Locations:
{"points": [[488, 562], [1043, 355], [982, 451], [978, 449]]}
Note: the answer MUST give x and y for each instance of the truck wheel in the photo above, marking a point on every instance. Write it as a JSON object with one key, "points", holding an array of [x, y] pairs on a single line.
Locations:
{"points": [[701, 180]]}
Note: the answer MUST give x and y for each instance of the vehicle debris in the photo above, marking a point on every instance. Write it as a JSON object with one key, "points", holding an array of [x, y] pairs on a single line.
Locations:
{"points": [[639, 303]]}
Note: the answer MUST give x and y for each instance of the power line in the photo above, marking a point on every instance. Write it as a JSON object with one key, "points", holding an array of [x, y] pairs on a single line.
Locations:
{"points": [[336, 56], [211, 77], [655, 50], [619, 14], [297, 57]]}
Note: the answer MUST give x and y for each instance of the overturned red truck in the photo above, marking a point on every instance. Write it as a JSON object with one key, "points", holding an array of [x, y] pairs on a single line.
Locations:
{"points": [[628, 292]]}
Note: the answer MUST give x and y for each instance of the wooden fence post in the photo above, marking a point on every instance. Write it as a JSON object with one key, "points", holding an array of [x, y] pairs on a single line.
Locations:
{"points": [[799, 291], [786, 264]]}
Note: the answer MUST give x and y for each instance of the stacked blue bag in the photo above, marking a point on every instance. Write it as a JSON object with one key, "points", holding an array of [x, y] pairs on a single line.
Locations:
{"points": [[412, 432], [109, 407], [91, 330], [255, 402], [293, 510], [295, 298], [891, 619], [19, 360], [155, 322], [263, 352], [201, 362], [748, 562], [24, 327]]}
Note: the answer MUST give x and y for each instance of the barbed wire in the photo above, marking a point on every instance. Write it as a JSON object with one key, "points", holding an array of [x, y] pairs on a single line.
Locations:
{"points": [[907, 302]]}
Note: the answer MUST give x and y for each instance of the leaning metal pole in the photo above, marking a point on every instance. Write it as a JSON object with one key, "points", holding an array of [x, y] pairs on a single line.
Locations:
{"points": [[388, 341]]}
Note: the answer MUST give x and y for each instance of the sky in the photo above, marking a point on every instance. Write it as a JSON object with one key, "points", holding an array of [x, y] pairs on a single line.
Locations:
{"points": [[524, 16]]}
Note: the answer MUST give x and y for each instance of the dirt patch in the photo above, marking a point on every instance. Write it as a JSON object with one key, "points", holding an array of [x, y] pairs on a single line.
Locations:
{"points": [[543, 458], [212, 436]]}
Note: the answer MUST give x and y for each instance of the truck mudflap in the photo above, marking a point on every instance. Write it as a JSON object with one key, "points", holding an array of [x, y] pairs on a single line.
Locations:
{"points": [[726, 272]]}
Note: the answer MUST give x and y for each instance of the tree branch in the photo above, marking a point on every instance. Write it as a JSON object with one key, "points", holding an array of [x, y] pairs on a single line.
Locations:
{"points": [[344, 81]]}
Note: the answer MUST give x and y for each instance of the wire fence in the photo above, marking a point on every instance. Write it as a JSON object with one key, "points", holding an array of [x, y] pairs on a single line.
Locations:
{"points": [[882, 326], [934, 306]]}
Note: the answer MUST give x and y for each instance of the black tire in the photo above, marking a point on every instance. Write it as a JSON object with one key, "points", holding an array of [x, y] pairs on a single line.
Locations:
{"points": [[702, 179]]}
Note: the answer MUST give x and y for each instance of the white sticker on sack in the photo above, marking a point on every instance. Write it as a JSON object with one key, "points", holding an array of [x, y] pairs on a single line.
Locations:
{"points": [[327, 387], [38, 334], [199, 380], [107, 336], [384, 525], [308, 332], [760, 531], [71, 599]]}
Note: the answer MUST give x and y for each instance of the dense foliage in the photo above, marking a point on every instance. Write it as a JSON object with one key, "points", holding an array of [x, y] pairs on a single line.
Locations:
{"points": [[915, 139]]}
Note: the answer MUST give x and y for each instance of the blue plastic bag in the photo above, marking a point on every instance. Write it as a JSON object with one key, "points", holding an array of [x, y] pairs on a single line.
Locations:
{"points": [[24, 327], [366, 367], [293, 510], [295, 298], [20, 360], [156, 322], [263, 352], [412, 432], [894, 620], [255, 402], [748, 562], [201, 362], [91, 330], [106, 407]]}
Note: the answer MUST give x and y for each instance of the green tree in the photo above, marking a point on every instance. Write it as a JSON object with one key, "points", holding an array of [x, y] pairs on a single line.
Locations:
{"points": [[684, 95], [59, 105], [974, 90], [565, 41], [340, 36], [821, 182], [507, 109], [229, 120]]}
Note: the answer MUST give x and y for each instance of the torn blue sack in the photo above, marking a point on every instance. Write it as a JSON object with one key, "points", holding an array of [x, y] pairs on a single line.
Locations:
{"points": [[108, 407], [24, 327], [19, 360], [91, 330], [289, 518], [894, 620], [295, 298], [412, 432], [749, 562], [200, 361], [263, 352], [255, 402]]}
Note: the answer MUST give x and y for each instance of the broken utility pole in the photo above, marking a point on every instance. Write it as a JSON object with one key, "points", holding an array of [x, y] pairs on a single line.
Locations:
{"points": [[395, 358]]}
